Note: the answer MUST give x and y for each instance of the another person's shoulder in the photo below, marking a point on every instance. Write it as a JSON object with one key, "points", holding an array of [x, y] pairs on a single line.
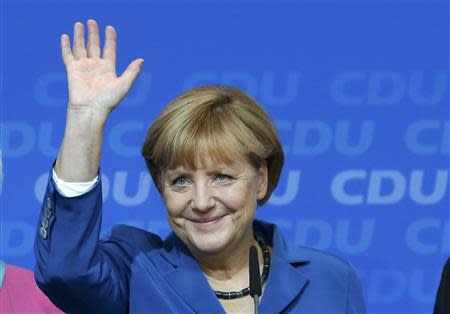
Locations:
{"points": [[442, 303], [20, 294]]}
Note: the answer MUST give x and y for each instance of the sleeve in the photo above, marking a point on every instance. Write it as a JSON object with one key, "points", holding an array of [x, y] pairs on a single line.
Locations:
{"points": [[355, 298], [79, 273], [72, 189]]}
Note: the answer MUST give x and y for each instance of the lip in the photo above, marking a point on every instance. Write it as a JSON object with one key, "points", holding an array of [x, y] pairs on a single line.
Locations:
{"points": [[207, 221]]}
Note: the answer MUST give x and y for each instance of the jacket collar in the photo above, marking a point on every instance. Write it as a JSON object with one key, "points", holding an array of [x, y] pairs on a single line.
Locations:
{"points": [[187, 279], [273, 236], [285, 283]]}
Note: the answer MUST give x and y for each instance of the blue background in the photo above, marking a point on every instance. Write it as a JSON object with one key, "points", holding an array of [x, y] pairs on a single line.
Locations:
{"points": [[358, 90]]}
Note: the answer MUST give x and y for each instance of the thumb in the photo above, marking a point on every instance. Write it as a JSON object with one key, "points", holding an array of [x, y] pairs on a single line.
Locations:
{"points": [[131, 73]]}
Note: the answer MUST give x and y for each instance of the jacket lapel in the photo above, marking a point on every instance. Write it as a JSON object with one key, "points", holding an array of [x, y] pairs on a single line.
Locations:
{"points": [[285, 282], [187, 279], [284, 285]]}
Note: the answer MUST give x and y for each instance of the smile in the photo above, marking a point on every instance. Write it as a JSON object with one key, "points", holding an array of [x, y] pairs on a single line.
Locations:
{"points": [[206, 222]]}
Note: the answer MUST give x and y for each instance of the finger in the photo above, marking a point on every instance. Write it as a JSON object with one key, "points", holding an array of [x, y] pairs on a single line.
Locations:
{"points": [[130, 74], [93, 45], [109, 49], [79, 50], [66, 52]]}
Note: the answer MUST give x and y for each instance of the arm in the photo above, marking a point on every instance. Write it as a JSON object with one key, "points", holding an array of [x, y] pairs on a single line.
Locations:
{"points": [[94, 91], [355, 298], [71, 189], [76, 271]]}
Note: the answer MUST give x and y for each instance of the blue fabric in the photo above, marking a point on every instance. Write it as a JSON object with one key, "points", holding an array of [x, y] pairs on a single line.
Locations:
{"points": [[136, 271]]}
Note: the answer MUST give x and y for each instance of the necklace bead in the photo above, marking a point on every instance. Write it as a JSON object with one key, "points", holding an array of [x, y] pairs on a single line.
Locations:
{"points": [[244, 292]]}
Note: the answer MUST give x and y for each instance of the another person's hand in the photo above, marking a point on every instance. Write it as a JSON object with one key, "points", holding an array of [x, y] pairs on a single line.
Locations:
{"points": [[94, 87]]}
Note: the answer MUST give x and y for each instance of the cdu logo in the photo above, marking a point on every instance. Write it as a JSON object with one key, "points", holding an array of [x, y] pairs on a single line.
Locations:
{"points": [[270, 88], [387, 88]]}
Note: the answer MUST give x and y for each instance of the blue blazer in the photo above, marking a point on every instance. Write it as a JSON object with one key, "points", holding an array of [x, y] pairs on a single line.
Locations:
{"points": [[135, 271]]}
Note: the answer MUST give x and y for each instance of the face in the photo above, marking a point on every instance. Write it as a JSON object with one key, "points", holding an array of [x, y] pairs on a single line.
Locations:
{"points": [[212, 207]]}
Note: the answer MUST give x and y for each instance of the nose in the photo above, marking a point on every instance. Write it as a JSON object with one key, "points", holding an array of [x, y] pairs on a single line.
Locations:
{"points": [[202, 199]]}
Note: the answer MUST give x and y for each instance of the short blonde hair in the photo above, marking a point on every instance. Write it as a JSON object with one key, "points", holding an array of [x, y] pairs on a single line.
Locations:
{"points": [[220, 122]]}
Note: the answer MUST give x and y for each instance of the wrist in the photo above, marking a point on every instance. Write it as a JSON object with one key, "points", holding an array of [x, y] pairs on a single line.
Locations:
{"points": [[91, 112], [86, 121]]}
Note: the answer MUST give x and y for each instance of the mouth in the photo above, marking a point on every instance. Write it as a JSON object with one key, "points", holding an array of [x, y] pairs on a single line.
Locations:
{"points": [[207, 221]]}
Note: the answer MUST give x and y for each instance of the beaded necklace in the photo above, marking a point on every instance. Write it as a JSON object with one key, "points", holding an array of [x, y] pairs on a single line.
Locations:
{"points": [[265, 274]]}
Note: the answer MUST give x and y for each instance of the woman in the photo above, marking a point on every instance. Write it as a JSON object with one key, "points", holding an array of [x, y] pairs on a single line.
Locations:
{"points": [[214, 155], [18, 290], [20, 294]]}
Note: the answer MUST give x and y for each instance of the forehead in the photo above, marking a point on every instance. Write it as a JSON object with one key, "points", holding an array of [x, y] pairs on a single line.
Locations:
{"points": [[208, 164]]}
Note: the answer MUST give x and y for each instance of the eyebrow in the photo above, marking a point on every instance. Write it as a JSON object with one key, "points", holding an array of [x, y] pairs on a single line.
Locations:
{"points": [[221, 168]]}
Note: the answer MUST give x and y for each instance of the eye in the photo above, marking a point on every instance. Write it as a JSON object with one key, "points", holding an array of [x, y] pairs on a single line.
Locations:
{"points": [[222, 178], [180, 181]]}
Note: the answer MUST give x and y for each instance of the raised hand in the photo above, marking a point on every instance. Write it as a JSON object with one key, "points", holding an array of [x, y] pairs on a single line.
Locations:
{"points": [[94, 87], [94, 91]]}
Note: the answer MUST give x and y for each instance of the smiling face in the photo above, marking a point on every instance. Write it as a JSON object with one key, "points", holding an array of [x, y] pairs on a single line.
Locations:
{"points": [[212, 207]]}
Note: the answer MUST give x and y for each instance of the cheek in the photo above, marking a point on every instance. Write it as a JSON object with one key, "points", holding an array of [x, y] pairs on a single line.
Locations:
{"points": [[175, 203], [240, 197]]}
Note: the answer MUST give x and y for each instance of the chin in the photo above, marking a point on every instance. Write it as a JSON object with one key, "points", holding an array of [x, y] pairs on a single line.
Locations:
{"points": [[210, 246], [210, 240]]}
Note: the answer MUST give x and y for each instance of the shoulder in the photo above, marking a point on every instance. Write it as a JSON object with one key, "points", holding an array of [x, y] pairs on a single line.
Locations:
{"points": [[133, 238], [326, 266], [332, 275], [319, 266], [329, 276], [23, 295], [442, 303], [18, 274], [323, 260], [313, 261]]}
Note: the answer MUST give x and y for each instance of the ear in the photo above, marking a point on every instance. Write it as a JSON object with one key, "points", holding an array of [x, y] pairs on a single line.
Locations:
{"points": [[262, 180]]}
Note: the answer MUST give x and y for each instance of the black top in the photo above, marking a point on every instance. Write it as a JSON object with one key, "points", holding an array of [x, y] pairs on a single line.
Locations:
{"points": [[442, 304]]}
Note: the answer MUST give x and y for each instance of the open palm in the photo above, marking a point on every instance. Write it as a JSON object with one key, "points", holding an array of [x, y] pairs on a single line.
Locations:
{"points": [[93, 83]]}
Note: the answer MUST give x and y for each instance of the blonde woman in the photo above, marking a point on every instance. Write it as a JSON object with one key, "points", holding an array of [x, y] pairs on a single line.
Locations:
{"points": [[215, 157]]}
